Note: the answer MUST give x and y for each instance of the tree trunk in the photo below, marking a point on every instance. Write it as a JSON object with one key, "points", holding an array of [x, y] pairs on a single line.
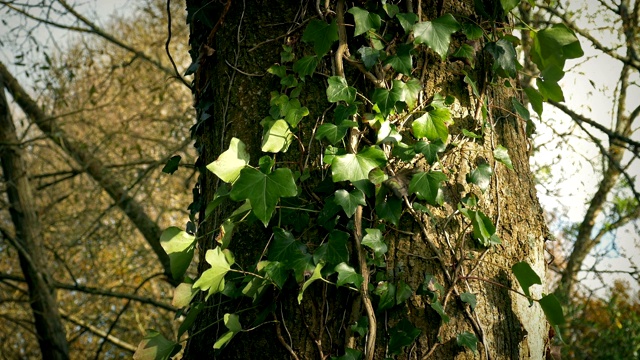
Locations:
{"points": [[233, 49], [28, 240]]}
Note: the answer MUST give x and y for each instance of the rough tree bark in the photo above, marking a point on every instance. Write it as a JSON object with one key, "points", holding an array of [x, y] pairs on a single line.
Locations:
{"points": [[28, 239], [233, 50]]}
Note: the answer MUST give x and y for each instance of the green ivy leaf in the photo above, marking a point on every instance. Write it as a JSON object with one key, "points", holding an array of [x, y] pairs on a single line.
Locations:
{"points": [[470, 299], [333, 251], [466, 51], [172, 165], [483, 229], [314, 276], [481, 176], [411, 89], [374, 241], [432, 125], [182, 295], [266, 164], [472, 31], [349, 201], [402, 61], [377, 176], [535, 99], [550, 90], [387, 293], [403, 292], [339, 90], [226, 232], [355, 167], [229, 164], [552, 309], [502, 155], [407, 20], [427, 186], [277, 136], [526, 277], [555, 45], [295, 113], [369, 56], [306, 66], [365, 20], [385, 100], [470, 134], [505, 56], [509, 5], [437, 306], [263, 191], [191, 317], [361, 326], [155, 346], [275, 271], [278, 70], [348, 275], [321, 34], [430, 149], [212, 279], [232, 322], [180, 247], [389, 209], [401, 336], [391, 9], [437, 33], [468, 340], [520, 109], [334, 133]]}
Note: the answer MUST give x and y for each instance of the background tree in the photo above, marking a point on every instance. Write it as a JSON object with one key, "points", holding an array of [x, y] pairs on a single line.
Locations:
{"points": [[593, 137], [115, 106]]}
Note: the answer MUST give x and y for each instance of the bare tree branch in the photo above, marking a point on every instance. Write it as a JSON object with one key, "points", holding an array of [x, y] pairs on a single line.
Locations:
{"points": [[94, 167]]}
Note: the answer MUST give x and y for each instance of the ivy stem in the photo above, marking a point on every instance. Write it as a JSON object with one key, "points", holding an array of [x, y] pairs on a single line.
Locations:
{"points": [[357, 232]]}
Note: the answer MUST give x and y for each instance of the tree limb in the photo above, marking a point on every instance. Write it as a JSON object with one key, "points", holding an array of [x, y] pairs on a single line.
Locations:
{"points": [[94, 168]]}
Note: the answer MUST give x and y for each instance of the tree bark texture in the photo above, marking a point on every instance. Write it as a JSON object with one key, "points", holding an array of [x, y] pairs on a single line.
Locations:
{"points": [[231, 93], [28, 240], [94, 168]]}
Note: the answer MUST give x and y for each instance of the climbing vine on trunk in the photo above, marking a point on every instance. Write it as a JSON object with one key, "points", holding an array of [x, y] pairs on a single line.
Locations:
{"points": [[383, 142]]}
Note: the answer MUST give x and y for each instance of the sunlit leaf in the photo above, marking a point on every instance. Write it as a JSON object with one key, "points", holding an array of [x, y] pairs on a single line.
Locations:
{"points": [[365, 20], [374, 241], [229, 164], [180, 246], [468, 340], [155, 346], [348, 275], [339, 90], [212, 279], [277, 137], [355, 167], [427, 186], [481, 176], [502, 155], [437, 33], [314, 276], [432, 125]]}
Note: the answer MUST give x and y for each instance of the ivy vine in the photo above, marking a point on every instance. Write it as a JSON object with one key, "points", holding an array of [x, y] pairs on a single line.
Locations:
{"points": [[376, 175]]}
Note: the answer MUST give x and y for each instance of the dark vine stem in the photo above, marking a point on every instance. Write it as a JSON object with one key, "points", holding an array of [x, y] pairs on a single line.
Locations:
{"points": [[357, 232]]}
